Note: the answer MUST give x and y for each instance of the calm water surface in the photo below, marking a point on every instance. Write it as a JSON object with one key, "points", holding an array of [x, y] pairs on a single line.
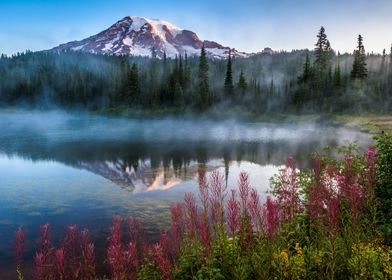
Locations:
{"points": [[81, 169]]}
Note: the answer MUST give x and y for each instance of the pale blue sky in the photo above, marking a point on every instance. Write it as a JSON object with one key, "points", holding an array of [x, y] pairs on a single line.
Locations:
{"points": [[248, 25]]}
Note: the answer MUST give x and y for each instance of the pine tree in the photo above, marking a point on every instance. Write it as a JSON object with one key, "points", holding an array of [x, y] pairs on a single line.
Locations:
{"points": [[187, 74], [337, 76], [390, 60], [359, 70], [204, 99], [307, 71], [322, 52], [383, 66], [134, 88], [242, 84], [228, 87]]}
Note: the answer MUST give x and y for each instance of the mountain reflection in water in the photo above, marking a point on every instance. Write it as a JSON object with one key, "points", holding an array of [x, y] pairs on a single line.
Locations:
{"points": [[83, 169]]}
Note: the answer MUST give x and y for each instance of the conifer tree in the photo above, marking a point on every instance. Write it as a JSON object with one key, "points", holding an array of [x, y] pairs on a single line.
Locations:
{"points": [[187, 74], [228, 87], [322, 52], [337, 76], [359, 70], [307, 71], [204, 87], [242, 84], [134, 88]]}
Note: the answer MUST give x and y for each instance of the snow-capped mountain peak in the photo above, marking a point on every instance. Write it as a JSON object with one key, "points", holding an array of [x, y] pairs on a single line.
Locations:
{"points": [[138, 36]]}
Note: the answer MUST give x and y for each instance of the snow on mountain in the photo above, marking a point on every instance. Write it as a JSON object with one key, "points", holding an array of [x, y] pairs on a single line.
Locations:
{"points": [[138, 36]]}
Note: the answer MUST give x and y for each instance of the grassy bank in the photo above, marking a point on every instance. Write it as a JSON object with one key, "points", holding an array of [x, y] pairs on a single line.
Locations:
{"points": [[368, 123]]}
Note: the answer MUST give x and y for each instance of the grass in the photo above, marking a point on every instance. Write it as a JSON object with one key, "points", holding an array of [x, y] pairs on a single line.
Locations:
{"points": [[374, 124]]}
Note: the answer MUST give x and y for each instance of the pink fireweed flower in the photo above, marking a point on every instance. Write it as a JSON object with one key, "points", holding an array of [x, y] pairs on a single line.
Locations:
{"points": [[87, 270], [351, 191], [317, 199], [204, 232], [165, 243], [177, 225], [45, 257], [203, 189], [115, 255], [333, 213], [317, 169], [256, 210], [39, 267], [87, 266], [217, 197], [132, 261], [60, 264], [370, 176], [191, 216], [233, 213], [244, 189], [72, 251], [135, 231], [162, 261], [272, 217], [20, 236], [287, 191], [44, 236]]}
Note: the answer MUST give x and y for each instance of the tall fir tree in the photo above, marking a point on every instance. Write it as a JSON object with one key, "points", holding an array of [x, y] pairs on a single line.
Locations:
{"points": [[228, 86], [359, 70], [322, 52], [204, 99], [242, 84], [307, 71], [187, 74], [337, 76], [134, 87]]}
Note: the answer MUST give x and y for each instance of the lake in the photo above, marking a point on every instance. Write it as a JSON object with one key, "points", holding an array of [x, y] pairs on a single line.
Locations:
{"points": [[82, 169]]}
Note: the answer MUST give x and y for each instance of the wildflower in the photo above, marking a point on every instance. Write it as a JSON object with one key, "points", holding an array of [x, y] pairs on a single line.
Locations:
{"points": [[233, 213], [20, 236], [191, 215], [272, 217]]}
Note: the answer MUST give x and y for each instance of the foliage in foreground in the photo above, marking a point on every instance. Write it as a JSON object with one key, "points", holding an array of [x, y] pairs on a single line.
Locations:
{"points": [[322, 223]]}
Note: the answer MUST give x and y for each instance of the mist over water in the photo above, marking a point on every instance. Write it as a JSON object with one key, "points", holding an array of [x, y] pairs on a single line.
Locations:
{"points": [[82, 169]]}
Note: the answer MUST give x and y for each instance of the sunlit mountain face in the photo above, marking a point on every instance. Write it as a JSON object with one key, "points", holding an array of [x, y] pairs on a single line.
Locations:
{"points": [[139, 36]]}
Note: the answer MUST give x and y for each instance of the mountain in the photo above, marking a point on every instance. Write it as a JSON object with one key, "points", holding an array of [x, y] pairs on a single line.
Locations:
{"points": [[138, 36]]}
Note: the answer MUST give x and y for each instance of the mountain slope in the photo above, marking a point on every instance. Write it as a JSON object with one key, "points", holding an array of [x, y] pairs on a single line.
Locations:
{"points": [[139, 36]]}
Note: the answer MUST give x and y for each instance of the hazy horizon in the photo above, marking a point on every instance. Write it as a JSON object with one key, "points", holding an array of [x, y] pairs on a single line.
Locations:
{"points": [[248, 25]]}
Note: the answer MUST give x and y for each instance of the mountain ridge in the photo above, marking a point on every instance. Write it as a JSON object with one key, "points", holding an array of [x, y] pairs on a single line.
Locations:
{"points": [[140, 36]]}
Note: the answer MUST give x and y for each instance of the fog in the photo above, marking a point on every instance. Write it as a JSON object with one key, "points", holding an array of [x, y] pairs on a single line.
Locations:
{"points": [[71, 138]]}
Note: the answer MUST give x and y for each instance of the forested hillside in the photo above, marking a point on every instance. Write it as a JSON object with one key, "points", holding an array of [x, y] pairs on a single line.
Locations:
{"points": [[300, 81]]}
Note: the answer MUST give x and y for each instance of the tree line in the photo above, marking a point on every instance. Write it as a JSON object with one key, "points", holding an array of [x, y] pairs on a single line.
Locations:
{"points": [[300, 81]]}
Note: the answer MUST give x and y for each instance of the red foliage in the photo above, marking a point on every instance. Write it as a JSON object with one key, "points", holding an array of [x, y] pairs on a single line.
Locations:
{"points": [[191, 215], [288, 192], [233, 213], [87, 265], [161, 261], [177, 226], [272, 217], [20, 236], [72, 252], [45, 258], [60, 264], [115, 255], [217, 197]]}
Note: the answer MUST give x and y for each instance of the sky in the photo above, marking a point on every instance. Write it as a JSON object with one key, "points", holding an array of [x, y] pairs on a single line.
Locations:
{"points": [[247, 25]]}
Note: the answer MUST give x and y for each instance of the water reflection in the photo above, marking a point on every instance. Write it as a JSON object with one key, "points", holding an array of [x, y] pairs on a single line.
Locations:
{"points": [[65, 169]]}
